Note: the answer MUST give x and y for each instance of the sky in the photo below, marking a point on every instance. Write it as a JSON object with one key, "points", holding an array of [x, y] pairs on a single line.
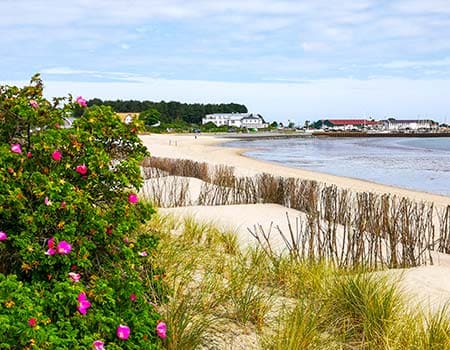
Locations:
{"points": [[287, 60]]}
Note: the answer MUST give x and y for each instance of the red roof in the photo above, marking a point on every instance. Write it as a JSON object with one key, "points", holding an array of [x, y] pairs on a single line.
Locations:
{"points": [[351, 121]]}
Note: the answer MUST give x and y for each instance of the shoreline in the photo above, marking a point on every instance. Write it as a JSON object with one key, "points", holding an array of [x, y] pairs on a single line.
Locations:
{"points": [[211, 149]]}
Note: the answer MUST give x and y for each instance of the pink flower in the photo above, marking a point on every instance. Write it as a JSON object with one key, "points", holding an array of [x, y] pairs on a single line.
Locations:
{"points": [[83, 304], [56, 155], [63, 205], [123, 332], [161, 330], [34, 104], [51, 242], [81, 101], [133, 297], [126, 240], [16, 148], [144, 253], [133, 198], [3, 236], [63, 248], [75, 277], [47, 201], [29, 155], [98, 345], [32, 322], [81, 169], [50, 251]]}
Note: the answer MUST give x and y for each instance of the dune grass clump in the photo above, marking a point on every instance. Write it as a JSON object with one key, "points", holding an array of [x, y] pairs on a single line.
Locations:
{"points": [[365, 309], [296, 329]]}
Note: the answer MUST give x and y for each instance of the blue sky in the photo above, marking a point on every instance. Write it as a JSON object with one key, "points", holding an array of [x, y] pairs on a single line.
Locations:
{"points": [[293, 60]]}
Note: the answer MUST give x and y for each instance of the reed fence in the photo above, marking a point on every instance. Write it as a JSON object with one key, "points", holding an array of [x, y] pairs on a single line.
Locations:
{"points": [[346, 227]]}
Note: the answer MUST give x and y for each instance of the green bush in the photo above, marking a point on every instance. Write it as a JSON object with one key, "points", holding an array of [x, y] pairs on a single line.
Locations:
{"points": [[69, 210]]}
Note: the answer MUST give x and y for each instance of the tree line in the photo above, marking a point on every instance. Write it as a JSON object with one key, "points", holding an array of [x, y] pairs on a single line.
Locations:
{"points": [[171, 111]]}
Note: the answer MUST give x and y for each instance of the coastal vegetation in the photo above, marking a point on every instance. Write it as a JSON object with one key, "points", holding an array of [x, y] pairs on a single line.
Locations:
{"points": [[75, 269], [227, 297]]}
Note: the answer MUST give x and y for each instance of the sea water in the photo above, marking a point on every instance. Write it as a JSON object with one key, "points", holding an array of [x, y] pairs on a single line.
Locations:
{"points": [[421, 164]]}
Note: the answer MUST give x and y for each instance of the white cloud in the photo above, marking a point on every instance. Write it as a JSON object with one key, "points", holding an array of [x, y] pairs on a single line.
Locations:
{"points": [[421, 7], [309, 46], [61, 71], [405, 64], [251, 39]]}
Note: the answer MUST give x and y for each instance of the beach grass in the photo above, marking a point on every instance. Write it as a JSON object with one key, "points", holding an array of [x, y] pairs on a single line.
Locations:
{"points": [[227, 297]]}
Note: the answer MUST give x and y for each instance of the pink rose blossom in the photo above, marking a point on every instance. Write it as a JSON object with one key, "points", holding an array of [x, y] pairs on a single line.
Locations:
{"points": [[126, 240], [133, 198], [32, 322], [50, 251], [47, 201], [51, 242], [57, 155], [98, 345], [144, 253], [81, 101], [63, 205], [133, 297], [123, 332], [34, 104], [63, 248], [75, 277], [29, 154], [3, 236], [16, 148], [81, 169], [83, 304], [161, 330]]}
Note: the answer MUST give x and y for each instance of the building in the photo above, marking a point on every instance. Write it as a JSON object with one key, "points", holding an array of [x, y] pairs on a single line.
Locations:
{"points": [[238, 120], [393, 124], [346, 124]]}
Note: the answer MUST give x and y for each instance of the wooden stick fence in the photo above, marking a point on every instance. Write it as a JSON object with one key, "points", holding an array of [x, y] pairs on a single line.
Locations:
{"points": [[348, 228]]}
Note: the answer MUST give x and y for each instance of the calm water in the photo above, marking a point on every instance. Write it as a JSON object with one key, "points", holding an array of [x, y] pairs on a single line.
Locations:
{"points": [[421, 164]]}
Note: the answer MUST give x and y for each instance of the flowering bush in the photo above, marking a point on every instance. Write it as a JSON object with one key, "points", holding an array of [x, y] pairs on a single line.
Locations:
{"points": [[71, 264]]}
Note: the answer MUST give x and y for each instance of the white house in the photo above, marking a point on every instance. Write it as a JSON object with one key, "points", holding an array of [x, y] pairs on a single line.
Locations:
{"points": [[392, 124], [238, 120]]}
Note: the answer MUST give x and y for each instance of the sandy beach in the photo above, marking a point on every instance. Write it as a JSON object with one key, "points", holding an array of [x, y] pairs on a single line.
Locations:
{"points": [[427, 285]]}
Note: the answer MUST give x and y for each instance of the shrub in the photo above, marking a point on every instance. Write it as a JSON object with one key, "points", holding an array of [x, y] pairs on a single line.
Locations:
{"points": [[73, 264]]}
